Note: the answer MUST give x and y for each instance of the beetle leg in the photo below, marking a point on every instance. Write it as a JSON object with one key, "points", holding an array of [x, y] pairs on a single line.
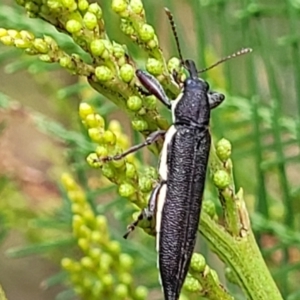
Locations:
{"points": [[215, 99], [153, 137], [148, 212]]}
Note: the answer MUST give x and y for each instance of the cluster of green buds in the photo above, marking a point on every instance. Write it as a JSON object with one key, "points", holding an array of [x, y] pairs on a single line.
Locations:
{"points": [[123, 172], [103, 272]]}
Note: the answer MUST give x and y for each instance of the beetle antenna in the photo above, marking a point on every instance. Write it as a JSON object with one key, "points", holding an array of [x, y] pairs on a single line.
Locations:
{"points": [[234, 55], [173, 25]]}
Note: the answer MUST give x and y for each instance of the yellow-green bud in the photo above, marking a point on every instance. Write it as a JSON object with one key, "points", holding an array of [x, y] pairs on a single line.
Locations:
{"points": [[108, 171], [96, 237], [68, 181], [151, 172], [210, 208], [93, 160], [121, 291], [83, 244], [87, 262], [134, 103], [97, 289], [67, 264], [118, 50], [126, 72], [68, 3], [45, 58], [95, 134], [90, 20], [125, 278], [96, 10], [115, 126], [85, 109], [223, 149], [107, 280], [126, 190], [136, 6], [174, 64], [7, 40], [101, 151], [109, 137], [66, 62], [139, 125], [101, 223], [119, 6], [22, 44], [198, 262], [150, 102], [146, 33], [126, 27], [73, 26], [126, 261], [221, 179], [103, 73], [83, 5], [97, 47], [130, 172], [3, 32], [192, 285], [94, 120], [26, 35], [141, 293], [152, 44], [95, 253], [145, 184], [114, 248], [13, 33], [40, 45], [154, 66]]}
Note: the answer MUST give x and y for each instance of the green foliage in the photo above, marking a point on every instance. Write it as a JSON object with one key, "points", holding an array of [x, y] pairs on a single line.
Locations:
{"points": [[260, 117]]}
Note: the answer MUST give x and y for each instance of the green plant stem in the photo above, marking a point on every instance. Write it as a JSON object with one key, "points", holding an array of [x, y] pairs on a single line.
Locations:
{"points": [[243, 256]]}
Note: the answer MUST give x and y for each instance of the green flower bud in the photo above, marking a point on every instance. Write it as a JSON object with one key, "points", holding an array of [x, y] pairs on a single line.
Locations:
{"points": [[31, 8], [40, 45], [83, 244], [45, 58], [108, 171], [95, 134], [68, 3], [73, 26], [126, 261], [84, 110], [22, 44], [121, 291], [210, 208], [109, 137], [83, 5], [126, 27], [151, 172], [94, 121], [114, 248], [66, 62], [68, 182], [223, 149], [118, 164], [198, 263], [136, 6], [134, 103], [103, 73], [192, 285], [3, 32], [126, 190], [96, 237], [87, 262], [119, 6], [97, 289], [95, 253], [150, 102], [145, 184], [118, 50], [101, 223], [139, 125], [94, 161], [154, 66], [141, 293], [126, 278], [26, 35], [67, 264], [101, 151], [126, 72], [107, 280], [13, 33], [152, 44], [130, 172], [97, 47], [96, 10], [174, 64], [221, 179], [7, 40], [146, 33], [90, 21], [76, 208]]}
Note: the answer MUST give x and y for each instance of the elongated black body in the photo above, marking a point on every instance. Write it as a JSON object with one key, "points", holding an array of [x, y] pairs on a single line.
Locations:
{"points": [[183, 167]]}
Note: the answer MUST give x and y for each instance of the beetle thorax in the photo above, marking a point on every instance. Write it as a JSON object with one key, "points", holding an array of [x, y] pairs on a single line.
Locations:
{"points": [[192, 105]]}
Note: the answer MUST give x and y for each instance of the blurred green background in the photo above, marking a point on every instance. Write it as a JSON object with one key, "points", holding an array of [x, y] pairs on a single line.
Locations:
{"points": [[40, 137]]}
